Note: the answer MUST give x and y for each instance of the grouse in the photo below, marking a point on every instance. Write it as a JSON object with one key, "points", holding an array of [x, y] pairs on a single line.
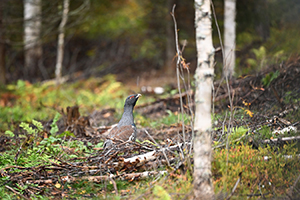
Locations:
{"points": [[126, 129]]}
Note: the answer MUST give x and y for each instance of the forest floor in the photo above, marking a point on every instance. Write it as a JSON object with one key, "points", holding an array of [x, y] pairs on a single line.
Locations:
{"points": [[264, 111]]}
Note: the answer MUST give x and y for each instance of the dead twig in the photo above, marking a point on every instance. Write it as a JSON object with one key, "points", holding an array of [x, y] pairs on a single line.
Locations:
{"points": [[16, 192], [293, 186], [168, 162], [114, 184], [179, 55], [235, 186]]}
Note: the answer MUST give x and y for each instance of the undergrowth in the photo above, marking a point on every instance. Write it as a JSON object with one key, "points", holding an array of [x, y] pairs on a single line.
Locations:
{"points": [[265, 170], [262, 170]]}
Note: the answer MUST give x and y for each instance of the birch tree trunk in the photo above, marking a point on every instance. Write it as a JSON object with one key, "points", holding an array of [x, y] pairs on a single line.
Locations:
{"points": [[32, 31], [203, 184], [60, 43], [229, 38]]}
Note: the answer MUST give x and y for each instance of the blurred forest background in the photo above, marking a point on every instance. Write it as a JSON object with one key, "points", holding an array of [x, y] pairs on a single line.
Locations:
{"points": [[136, 38]]}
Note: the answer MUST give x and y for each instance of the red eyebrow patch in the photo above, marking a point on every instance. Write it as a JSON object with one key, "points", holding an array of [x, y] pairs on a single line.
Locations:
{"points": [[131, 97]]}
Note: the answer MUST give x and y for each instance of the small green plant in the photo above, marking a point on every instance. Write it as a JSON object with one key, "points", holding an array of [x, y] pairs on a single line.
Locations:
{"points": [[30, 130], [269, 78], [260, 58], [9, 133], [265, 132], [5, 195], [238, 133], [54, 128]]}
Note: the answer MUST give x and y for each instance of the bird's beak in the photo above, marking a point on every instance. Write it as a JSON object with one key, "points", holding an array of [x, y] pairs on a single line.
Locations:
{"points": [[138, 95]]}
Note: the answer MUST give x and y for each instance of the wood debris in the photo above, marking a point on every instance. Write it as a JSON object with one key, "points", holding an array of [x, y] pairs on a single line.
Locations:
{"points": [[129, 161]]}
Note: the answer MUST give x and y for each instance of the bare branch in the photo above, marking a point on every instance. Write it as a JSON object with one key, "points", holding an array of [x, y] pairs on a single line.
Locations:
{"points": [[179, 55], [16, 192], [114, 184], [235, 186]]}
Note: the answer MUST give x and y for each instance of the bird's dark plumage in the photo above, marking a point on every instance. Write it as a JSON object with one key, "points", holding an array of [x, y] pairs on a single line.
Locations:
{"points": [[125, 130]]}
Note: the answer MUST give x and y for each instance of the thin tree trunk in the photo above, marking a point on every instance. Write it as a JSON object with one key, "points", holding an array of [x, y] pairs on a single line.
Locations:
{"points": [[2, 47], [229, 38], [32, 30], [60, 44], [203, 184]]}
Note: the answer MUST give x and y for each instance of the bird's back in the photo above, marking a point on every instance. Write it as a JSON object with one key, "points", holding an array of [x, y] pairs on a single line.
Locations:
{"points": [[123, 133]]}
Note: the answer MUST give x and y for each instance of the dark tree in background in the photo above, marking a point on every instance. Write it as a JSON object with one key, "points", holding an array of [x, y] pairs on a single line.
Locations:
{"points": [[169, 67], [262, 26], [253, 16], [2, 46]]}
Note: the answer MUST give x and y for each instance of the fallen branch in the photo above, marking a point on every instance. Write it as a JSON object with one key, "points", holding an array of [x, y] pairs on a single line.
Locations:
{"points": [[114, 184], [266, 158], [158, 146], [16, 192], [281, 139], [152, 154], [130, 177], [141, 158]]}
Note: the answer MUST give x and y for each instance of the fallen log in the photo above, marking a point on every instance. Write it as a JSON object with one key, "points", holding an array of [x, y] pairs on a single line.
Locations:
{"points": [[280, 139]]}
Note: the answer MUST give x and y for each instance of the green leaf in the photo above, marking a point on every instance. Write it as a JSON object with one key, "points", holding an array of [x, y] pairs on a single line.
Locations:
{"points": [[54, 128], [269, 78], [9, 133], [27, 128], [66, 133], [21, 84], [38, 125], [99, 145]]}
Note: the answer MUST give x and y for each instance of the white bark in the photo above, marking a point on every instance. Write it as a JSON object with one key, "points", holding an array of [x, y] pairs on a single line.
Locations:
{"points": [[203, 185], [229, 38], [60, 43], [32, 31]]}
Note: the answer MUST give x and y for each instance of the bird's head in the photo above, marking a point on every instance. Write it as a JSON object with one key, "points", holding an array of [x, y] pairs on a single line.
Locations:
{"points": [[132, 99]]}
